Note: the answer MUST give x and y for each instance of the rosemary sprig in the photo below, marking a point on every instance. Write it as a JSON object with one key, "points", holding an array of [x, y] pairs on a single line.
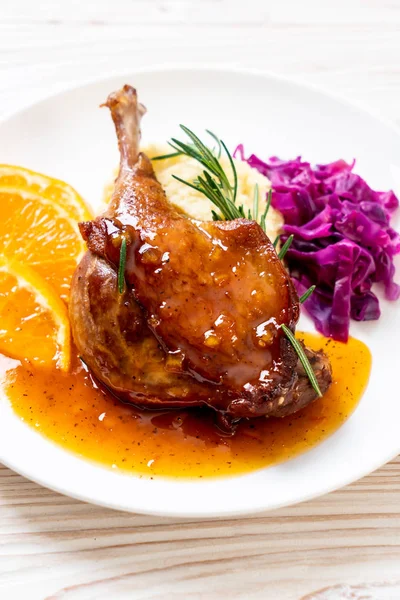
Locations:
{"points": [[303, 359], [307, 294], [213, 182], [215, 185], [121, 268]]}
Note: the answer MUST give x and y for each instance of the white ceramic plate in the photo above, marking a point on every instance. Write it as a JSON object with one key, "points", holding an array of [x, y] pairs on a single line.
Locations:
{"points": [[69, 137]]}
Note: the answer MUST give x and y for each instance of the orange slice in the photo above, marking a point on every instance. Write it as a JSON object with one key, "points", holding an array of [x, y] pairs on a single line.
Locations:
{"points": [[34, 322], [39, 221]]}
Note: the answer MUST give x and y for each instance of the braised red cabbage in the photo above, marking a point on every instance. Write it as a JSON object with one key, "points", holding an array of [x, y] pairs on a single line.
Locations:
{"points": [[343, 241]]}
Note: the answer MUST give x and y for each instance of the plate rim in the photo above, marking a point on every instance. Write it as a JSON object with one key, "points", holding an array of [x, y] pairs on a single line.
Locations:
{"points": [[189, 514], [214, 67]]}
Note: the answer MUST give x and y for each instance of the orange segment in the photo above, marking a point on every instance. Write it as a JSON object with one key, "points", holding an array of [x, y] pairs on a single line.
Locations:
{"points": [[54, 190], [39, 218], [34, 322]]}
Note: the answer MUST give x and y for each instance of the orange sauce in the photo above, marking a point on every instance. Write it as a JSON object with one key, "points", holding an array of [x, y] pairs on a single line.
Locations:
{"points": [[74, 413]]}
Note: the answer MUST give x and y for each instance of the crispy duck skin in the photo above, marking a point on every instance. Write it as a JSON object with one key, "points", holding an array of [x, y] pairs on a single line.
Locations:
{"points": [[199, 319]]}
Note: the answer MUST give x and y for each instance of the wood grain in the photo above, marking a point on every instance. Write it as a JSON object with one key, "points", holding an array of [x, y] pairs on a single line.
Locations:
{"points": [[55, 547]]}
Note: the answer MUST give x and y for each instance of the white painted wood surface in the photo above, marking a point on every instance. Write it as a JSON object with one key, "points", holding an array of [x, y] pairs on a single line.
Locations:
{"points": [[55, 547]]}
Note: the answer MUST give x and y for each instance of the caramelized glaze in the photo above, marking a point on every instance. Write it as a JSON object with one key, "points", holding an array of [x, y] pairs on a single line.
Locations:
{"points": [[73, 412]]}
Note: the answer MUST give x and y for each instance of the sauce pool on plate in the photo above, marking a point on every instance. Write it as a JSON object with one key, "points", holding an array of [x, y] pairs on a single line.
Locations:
{"points": [[72, 411]]}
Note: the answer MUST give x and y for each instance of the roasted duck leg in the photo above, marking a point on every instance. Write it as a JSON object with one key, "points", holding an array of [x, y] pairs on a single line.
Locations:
{"points": [[199, 319]]}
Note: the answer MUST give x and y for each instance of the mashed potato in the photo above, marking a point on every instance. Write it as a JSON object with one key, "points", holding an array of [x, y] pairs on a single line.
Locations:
{"points": [[196, 205]]}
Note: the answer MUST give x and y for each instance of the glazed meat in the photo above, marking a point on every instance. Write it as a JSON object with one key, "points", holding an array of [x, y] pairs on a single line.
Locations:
{"points": [[198, 321]]}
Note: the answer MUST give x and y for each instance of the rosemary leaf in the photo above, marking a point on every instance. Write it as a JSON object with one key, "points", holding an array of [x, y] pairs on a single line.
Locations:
{"points": [[235, 179], [241, 210], [256, 201], [264, 215], [190, 151], [285, 247], [276, 240], [121, 268], [200, 148], [195, 187], [226, 205], [307, 294], [218, 142], [269, 199], [303, 359], [163, 156]]}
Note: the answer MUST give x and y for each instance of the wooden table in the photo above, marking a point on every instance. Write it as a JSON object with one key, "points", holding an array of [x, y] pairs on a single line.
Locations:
{"points": [[55, 547]]}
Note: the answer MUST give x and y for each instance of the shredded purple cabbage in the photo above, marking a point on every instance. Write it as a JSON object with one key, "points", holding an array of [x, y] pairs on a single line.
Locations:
{"points": [[343, 241]]}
